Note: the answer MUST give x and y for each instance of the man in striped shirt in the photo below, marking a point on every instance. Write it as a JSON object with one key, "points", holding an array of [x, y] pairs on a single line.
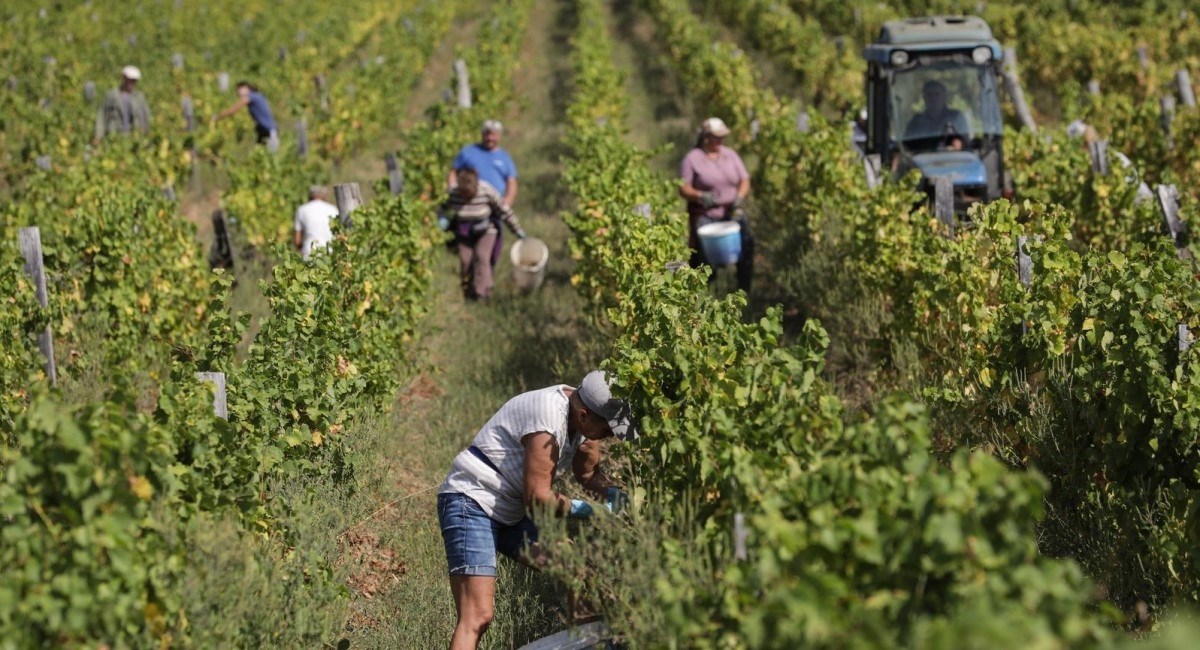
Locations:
{"points": [[509, 468], [470, 211]]}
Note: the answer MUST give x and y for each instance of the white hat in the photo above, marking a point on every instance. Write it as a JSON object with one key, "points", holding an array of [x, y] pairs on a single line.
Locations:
{"points": [[130, 72], [596, 393], [492, 126], [714, 126]]}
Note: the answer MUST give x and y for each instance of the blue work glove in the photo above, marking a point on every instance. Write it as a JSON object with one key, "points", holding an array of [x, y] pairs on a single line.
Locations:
{"points": [[443, 222], [615, 499], [520, 233], [580, 509]]}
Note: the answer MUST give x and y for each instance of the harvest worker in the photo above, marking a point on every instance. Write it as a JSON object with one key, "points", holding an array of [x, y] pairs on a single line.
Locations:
{"points": [[124, 108], [469, 213], [938, 120], [484, 503], [494, 166], [313, 220], [265, 129], [715, 185]]}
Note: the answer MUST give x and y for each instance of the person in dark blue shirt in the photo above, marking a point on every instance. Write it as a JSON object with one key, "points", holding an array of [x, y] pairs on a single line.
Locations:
{"points": [[260, 111], [938, 123], [492, 163]]}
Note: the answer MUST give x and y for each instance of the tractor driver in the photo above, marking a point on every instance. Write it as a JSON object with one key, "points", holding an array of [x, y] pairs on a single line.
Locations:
{"points": [[947, 125]]}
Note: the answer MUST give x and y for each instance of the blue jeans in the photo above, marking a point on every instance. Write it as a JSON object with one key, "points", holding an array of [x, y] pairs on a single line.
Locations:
{"points": [[472, 538]]}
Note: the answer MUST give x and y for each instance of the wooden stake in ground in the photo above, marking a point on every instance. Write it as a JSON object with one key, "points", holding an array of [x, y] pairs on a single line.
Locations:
{"points": [[1183, 80], [464, 84], [89, 91], [348, 199], [1098, 149], [1166, 105], [395, 175], [217, 379], [221, 255], [1013, 83], [1093, 88], [943, 201], [189, 114], [1168, 202], [223, 81], [301, 138], [30, 242], [872, 165]]}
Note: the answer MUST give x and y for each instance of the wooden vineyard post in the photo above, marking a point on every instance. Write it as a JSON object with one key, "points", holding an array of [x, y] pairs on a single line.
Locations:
{"points": [[464, 83], [1014, 89], [675, 266], [1098, 149], [221, 256], [42, 162], [755, 127], [349, 197], [1093, 88], [223, 82], [943, 201], [643, 210], [395, 175], [217, 379], [1184, 337], [177, 61], [89, 91], [1166, 105], [802, 121], [189, 114], [323, 97], [30, 242], [1183, 80], [1168, 202], [301, 138], [872, 164]]}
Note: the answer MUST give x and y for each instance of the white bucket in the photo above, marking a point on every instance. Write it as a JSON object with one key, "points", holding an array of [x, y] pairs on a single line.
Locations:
{"points": [[529, 257], [721, 241]]}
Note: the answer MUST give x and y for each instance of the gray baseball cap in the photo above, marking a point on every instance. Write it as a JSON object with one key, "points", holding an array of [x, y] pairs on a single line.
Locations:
{"points": [[596, 393]]}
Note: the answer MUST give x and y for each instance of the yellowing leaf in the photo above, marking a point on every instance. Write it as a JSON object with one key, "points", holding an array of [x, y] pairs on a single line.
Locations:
{"points": [[141, 488]]}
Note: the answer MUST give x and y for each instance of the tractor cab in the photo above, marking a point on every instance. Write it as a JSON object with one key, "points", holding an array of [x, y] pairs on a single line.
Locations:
{"points": [[933, 104]]}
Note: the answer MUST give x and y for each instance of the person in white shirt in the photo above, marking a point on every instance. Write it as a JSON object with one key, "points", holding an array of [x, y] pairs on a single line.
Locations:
{"points": [[312, 221], [505, 476]]}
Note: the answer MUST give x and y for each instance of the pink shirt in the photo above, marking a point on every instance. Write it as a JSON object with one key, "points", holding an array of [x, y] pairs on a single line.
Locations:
{"points": [[721, 177]]}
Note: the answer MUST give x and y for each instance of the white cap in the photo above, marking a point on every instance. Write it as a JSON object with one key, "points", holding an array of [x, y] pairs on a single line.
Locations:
{"points": [[130, 72], [596, 393], [714, 126]]}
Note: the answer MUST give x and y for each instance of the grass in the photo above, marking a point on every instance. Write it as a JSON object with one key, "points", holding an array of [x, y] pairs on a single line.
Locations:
{"points": [[479, 356]]}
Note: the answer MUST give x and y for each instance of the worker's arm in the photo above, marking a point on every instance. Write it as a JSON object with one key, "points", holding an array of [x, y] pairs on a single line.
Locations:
{"points": [[504, 209], [541, 455], [510, 192], [586, 465], [298, 240], [237, 106]]}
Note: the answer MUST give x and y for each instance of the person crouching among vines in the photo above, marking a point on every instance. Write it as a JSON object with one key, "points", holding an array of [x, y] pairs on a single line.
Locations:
{"points": [[485, 502], [469, 212], [715, 184]]}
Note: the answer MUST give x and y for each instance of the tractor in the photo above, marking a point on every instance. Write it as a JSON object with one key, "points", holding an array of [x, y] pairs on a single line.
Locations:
{"points": [[933, 104]]}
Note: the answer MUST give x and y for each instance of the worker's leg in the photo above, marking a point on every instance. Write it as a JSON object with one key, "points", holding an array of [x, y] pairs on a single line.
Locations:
{"points": [[471, 557], [474, 597], [483, 264], [466, 253]]}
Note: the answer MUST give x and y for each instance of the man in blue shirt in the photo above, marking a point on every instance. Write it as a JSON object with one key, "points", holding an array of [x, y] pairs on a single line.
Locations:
{"points": [[260, 111], [492, 163]]}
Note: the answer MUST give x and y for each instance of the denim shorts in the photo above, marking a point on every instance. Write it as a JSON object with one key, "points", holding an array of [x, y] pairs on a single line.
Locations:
{"points": [[472, 538]]}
